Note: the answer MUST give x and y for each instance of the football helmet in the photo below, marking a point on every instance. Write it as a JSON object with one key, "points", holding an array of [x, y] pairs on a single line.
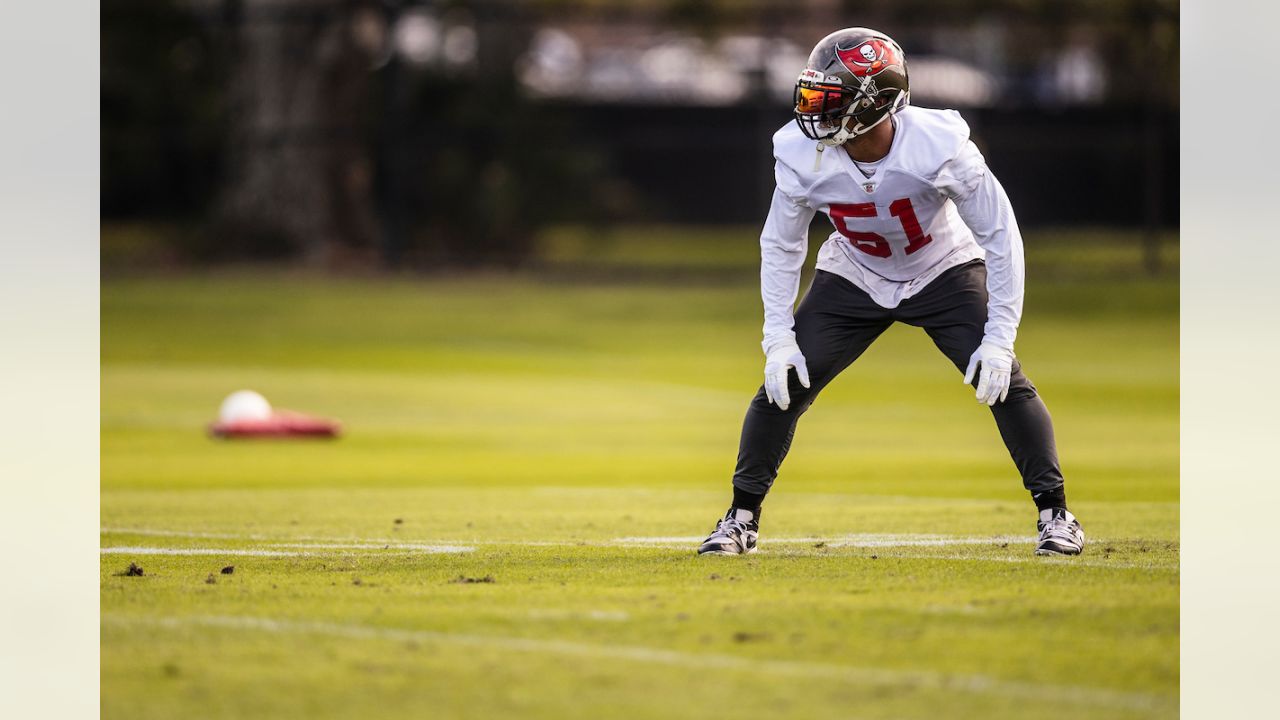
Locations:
{"points": [[855, 78]]}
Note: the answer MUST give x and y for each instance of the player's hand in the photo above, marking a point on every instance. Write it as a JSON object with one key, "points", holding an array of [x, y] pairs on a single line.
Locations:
{"points": [[994, 365], [777, 363]]}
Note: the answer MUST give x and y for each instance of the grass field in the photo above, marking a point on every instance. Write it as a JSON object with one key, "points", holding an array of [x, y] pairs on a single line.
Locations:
{"points": [[507, 527]]}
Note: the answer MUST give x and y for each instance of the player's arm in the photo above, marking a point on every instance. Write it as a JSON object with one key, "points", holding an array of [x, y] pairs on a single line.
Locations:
{"points": [[784, 243], [985, 208]]}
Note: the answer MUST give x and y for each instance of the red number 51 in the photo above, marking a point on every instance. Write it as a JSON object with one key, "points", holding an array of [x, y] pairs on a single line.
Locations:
{"points": [[874, 243]]}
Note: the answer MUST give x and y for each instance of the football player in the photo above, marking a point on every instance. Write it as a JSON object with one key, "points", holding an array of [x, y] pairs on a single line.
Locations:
{"points": [[924, 235]]}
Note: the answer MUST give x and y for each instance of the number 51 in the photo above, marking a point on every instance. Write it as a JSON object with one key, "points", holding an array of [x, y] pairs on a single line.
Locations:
{"points": [[874, 243]]}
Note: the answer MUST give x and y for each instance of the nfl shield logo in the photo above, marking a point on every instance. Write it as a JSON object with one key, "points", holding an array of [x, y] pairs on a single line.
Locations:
{"points": [[870, 187]]}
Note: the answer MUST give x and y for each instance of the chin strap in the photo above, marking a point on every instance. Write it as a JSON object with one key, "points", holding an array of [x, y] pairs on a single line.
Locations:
{"points": [[836, 140], [840, 137]]}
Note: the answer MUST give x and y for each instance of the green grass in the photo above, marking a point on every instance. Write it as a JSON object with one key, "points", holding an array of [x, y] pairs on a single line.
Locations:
{"points": [[542, 419]]}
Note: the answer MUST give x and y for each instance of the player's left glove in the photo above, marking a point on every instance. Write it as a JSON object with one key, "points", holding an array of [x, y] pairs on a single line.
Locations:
{"points": [[778, 361], [996, 365]]}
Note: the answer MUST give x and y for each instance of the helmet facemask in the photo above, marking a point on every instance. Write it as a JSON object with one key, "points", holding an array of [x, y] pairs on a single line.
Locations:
{"points": [[832, 112], [821, 106]]}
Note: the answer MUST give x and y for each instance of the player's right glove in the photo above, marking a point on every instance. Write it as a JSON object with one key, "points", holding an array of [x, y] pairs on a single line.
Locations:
{"points": [[993, 366], [778, 361]]}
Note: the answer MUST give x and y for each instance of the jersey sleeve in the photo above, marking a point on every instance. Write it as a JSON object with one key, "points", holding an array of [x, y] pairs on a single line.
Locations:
{"points": [[789, 147], [784, 243], [985, 209]]}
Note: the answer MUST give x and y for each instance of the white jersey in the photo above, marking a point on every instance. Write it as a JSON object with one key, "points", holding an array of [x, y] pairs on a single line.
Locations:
{"points": [[930, 204]]}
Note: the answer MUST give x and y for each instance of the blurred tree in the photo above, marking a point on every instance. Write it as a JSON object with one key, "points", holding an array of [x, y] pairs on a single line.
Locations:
{"points": [[162, 79], [300, 175]]}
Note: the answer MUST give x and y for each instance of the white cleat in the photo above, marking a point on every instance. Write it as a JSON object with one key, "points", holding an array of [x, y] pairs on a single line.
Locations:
{"points": [[735, 534], [1060, 533]]}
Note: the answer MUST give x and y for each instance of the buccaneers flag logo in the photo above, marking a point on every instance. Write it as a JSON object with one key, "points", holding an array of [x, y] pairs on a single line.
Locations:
{"points": [[868, 57]]}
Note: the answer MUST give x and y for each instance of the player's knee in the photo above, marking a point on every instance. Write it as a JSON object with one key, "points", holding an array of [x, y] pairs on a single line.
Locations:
{"points": [[800, 400], [1020, 388]]}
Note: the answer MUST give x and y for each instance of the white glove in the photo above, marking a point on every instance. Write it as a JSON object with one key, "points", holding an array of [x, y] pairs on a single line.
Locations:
{"points": [[777, 362], [997, 364]]}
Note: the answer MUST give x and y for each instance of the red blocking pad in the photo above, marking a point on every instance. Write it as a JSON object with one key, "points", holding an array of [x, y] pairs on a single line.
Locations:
{"points": [[279, 425]]}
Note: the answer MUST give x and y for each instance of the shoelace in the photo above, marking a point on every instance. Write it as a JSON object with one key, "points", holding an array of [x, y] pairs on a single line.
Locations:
{"points": [[1059, 529], [727, 526]]}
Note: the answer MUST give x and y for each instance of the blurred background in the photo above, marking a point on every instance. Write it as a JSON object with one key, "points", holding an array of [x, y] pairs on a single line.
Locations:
{"points": [[358, 135]]}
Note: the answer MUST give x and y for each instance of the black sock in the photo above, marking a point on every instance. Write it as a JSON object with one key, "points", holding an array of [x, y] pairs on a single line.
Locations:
{"points": [[747, 501], [1051, 499]]}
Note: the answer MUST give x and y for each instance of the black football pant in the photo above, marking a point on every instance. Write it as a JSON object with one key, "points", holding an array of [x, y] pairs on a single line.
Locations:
{"points": [[836, 322]]}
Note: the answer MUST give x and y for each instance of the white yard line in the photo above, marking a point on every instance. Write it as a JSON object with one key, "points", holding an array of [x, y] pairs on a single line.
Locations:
{"points": [[1086, 561], [867, 540], [314, 541], [309, 545], [403, 547], [873, 541], [250, 552], [306, 551], [852, 540], [161, 532], [977, 684], [299, 541]]}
